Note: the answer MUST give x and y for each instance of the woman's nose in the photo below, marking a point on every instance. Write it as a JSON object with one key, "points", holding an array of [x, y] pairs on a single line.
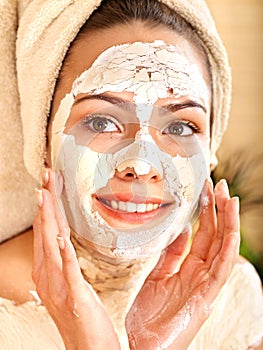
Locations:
{"points": [[129, 174]]}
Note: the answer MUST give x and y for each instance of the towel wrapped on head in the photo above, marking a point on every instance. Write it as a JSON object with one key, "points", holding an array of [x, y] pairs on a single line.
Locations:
{"points": [[45, 32]]}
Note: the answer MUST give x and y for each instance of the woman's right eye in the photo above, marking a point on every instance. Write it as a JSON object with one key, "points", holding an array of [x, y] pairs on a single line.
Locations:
{"points": [[100, 124]]}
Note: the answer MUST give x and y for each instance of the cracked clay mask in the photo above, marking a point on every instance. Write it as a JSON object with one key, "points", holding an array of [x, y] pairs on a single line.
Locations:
{"points": [[132, 169]]}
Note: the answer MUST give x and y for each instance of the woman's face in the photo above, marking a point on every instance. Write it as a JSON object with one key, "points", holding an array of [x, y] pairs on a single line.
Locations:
{"points": [[130, 135]]}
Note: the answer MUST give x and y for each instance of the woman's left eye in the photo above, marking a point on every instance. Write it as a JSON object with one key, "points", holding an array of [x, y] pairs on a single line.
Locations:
{"points": [[180, 129], [100, 124]]}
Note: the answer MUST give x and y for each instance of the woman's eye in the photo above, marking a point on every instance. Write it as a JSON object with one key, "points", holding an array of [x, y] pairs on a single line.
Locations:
{"points": [[100, 124], [180, 129]]}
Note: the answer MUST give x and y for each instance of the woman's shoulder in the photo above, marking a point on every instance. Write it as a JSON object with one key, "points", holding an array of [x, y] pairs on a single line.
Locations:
{"points": [[242, 299], [237, 317], [27, 326], [16, 257], [244, 273]]}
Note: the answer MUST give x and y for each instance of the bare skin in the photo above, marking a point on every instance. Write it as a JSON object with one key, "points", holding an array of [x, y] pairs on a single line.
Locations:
{"points": [[20, 248], [192, 289], [56, 273], [16, 257]]}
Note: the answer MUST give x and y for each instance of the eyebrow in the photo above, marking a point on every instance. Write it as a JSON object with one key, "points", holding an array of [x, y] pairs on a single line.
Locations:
{"points": [[171, 107], [104, 97]]}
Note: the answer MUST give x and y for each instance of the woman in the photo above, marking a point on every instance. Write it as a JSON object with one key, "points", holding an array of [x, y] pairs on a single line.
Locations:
{"points": [[129, 141]]}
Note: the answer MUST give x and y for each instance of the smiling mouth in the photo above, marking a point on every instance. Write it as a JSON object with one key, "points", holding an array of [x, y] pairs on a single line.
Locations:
{"points": [[130, 207], [125, 212]]}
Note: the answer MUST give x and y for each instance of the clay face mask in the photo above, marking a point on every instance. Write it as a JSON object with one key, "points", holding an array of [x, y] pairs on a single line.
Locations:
{"points": [[91, 166]]}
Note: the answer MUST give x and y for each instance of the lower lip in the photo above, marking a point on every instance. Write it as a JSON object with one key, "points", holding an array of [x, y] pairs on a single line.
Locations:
{"points": [[126, 217]]}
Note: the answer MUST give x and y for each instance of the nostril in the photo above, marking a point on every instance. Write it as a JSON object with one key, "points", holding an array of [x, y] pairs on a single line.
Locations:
{"points": [[155, 178], [130, 175]]}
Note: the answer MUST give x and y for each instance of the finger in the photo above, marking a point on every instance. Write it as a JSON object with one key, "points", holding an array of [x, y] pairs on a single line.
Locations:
{"points": [[229, 223], [207, 227], [232, 221], [221, 196], [172, 257], [76, 285], [55, 185], [50, 231], [223, 265], [224, 261], [70, 266], [37, 250]]}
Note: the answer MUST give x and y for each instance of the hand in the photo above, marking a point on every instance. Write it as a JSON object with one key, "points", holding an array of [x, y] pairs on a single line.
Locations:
{"points": [[171, 307], [72, 303]]}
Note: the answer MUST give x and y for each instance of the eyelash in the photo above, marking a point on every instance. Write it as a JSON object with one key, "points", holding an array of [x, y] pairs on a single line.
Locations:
{"points": [[191, 125], [195, 129], [92, 117]]}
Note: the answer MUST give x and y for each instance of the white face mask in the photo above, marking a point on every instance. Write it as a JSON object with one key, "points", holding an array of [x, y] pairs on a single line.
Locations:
{"points": [[150, 71]]}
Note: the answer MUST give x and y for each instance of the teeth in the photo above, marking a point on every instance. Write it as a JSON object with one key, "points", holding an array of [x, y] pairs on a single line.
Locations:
{"points": [[141, 208], [114, 204], [131, 207], [122, 206], [149, 207]]}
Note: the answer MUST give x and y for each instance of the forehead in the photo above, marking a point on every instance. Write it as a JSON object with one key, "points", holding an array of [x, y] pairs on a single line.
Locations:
{"points": [[149, 70], [86, 50]]}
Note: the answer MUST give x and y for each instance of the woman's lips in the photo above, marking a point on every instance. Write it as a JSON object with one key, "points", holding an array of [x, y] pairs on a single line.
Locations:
{"points": [[137, 211]]}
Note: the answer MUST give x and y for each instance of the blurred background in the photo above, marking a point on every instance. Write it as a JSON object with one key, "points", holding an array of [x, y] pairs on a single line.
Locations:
{"points": [[240, 24]]}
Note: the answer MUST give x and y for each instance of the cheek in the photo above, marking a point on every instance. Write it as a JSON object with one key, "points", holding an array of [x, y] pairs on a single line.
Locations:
{"points": [[183, 146]]}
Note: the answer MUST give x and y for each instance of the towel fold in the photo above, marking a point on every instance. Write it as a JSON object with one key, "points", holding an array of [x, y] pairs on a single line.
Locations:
{"points": [[17, 202], [46, 29]]}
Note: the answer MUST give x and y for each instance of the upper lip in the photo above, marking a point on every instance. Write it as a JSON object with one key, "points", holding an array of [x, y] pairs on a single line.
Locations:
{"points": [[129, 197]]}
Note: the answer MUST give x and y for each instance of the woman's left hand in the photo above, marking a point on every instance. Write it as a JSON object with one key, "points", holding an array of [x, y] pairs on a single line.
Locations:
{"points": [[171, 307]]}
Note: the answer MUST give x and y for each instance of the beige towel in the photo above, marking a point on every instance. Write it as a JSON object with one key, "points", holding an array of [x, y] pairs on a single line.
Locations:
{"points": [[16, 185], [46, 29]]}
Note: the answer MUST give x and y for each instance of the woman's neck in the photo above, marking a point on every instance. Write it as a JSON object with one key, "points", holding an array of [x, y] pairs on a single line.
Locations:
{"points": [[116, 282], [108, 274]]}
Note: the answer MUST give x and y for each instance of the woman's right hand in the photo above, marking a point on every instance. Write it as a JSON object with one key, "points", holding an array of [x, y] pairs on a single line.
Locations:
{"points": [[72, 303]]}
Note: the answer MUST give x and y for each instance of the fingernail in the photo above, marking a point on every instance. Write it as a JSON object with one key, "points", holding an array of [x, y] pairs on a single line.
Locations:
{"points": [[223, 182], [61, 242], [45, 176], [39, 195], [221, 187], [237, 202]]}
